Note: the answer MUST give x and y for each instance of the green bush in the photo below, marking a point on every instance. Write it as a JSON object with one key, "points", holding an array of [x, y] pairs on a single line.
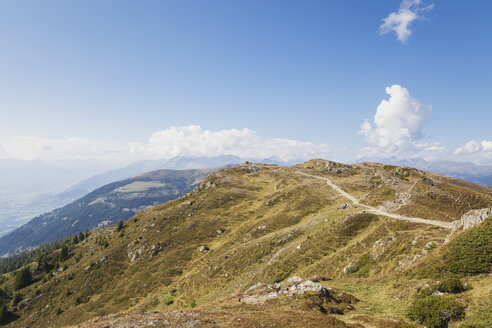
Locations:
{"points": [[435, 311], [169, 300], [471, 252], [451, 285]]}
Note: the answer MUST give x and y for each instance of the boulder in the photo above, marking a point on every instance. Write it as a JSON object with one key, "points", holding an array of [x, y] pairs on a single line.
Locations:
{"points": [[294, 280], [344, 206], [307, 286]]}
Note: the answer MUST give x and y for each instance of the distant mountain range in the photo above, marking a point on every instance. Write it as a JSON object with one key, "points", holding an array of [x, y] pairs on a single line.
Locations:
{"points": [[104, 206], [18, 203], [480, 174], [140, 167]]}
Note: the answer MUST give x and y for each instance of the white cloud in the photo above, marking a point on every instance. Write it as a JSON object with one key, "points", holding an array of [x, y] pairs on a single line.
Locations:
{"points": [[399, 22], [194, 141], [476, 148], [397, 126], [176, 141], [30, 148]]}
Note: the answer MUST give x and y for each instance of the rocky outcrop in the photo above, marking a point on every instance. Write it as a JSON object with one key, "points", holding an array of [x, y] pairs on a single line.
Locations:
{"points": [[471, 219], [134, 255], [295, 286]]}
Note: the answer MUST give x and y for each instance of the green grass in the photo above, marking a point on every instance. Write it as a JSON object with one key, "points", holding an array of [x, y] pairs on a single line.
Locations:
{"points": [[482, 318]]}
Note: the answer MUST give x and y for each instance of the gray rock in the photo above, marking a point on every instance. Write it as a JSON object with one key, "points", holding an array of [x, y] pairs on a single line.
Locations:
{"points": [[471, 219], [344, 206], [22, 304], [307, 286], [251, 168], [294, 280], [140, 250], [203, 248]]}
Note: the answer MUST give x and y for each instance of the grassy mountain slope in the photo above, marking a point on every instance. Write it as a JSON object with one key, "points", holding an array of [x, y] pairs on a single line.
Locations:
{"points": [[106, 205], [263, 223]]}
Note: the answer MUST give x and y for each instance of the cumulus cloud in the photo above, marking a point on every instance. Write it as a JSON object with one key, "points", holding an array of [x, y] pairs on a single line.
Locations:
{"points": [[397, 125], [476, 148], [173, 142], [194, 141], [399, 22]]}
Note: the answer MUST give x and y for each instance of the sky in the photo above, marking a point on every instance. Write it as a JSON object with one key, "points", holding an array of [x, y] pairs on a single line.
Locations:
{"points": [[119, 81]]}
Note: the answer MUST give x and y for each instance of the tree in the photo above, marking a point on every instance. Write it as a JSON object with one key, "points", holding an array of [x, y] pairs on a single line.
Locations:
{"points": [[75, 239], [120, 226], [16, 298], [4, 314], [23, 278], [64, 253], [43, 264]]}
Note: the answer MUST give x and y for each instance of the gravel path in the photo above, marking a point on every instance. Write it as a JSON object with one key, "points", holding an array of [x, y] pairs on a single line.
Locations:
{"points": [[374, 210]]}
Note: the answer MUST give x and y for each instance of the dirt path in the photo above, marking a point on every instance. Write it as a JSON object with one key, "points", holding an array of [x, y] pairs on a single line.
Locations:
{"points": [[371, 209]]}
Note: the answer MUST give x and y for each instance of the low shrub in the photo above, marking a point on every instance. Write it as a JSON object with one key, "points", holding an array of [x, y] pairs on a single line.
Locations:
{"points": [[471, 252], [451, 285], [435, 311]]}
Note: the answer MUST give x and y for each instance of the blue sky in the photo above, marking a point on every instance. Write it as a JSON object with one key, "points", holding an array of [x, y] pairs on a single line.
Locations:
{"points": [[83, 78]]}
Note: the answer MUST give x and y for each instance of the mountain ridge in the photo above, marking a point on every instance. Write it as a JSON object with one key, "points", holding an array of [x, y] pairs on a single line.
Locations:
{"points": [[197, 259]]}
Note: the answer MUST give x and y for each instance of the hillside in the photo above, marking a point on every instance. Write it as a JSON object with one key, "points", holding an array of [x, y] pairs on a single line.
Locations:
{"points": [[17, 209], [104, 206], [332, 245]]}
